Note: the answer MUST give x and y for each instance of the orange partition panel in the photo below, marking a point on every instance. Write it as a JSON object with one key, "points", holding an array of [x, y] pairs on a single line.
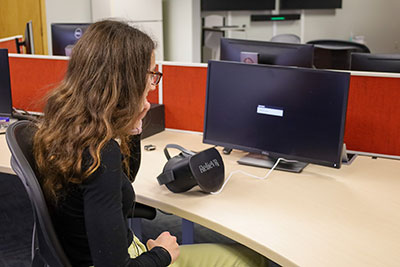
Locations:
{"points": [[32, 78], [152, 97], [10, 45], [184, 94], [373, 115]]}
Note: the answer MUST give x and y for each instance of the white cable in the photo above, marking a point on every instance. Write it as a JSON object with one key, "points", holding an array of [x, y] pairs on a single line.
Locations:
{"points": [[251, 175]]}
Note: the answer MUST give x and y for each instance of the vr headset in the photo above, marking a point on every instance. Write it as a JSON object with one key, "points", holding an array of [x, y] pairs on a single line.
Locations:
{"points": [[188, 169]]}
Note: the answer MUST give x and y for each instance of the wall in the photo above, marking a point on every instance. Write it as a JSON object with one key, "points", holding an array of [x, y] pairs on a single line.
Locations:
{"points": [[377, 21], [15, 14], [145, 15], [71, 11], [182, 28]]}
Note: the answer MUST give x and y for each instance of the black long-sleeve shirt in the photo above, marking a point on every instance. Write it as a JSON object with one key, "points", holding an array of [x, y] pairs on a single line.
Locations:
{"points": [[91, 219]]}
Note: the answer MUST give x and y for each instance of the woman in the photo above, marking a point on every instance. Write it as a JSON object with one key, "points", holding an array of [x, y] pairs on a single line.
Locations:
{"points": [[87, 150]]}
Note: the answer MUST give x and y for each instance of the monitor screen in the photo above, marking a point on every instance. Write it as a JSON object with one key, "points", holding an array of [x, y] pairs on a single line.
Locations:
{"points": [[310, 4], [294, 113], [375, 62], [285, 54], [65, 35], [215, 5], [5, 85]]}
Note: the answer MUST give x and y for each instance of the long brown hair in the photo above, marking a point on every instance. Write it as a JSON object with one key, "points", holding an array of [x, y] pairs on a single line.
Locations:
{"points": [[98, 99]]}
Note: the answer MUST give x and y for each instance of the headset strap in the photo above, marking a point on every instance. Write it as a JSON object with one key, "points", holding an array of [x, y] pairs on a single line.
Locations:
{"points": [[165, 177], [182, 149]]}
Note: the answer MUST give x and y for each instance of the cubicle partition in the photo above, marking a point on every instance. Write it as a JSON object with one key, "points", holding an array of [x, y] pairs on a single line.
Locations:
{"points": [[373, 116], [184, 94], [373, 113], [32, 76], [10, 44]]}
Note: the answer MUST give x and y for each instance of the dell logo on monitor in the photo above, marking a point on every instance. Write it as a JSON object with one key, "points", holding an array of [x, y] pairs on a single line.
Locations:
{"points": [[78, 33]]}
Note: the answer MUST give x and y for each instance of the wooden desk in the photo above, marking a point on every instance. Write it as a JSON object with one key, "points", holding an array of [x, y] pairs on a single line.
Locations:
{"points": [[320, 217], [5, 156]]}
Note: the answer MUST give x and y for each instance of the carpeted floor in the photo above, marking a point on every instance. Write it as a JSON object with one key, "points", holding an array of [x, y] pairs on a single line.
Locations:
{"points": [[15, 223]]}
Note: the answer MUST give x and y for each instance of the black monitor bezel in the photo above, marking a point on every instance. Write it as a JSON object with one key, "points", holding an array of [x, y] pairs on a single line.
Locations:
{"points": [[310, 4], [29, 41], [336, 164], [235, 5], [6, 81], [226, 42]]}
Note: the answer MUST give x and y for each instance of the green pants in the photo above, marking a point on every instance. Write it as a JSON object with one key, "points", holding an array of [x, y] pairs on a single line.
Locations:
{"points": [[206, 255]]}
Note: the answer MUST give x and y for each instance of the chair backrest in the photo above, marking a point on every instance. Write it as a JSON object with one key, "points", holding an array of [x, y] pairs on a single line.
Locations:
{"points": [[375, 62], [335, 54], [330, 43], [47, 248], [286, 38]]}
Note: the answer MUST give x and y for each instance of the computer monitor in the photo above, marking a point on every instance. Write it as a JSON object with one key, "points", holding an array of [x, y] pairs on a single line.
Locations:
{"points": [[226, 5], [28, 41], [285, 54], [5, 85], [65, 35], [277, 111], [310, 4], [375, 62]]}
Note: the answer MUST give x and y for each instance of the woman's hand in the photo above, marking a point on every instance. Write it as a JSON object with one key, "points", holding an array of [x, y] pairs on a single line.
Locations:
{"points": [[137, 127], [167, 241]]}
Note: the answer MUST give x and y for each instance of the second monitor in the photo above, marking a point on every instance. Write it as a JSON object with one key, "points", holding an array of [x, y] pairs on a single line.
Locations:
{"points": [[285, 54], [65, 35]]}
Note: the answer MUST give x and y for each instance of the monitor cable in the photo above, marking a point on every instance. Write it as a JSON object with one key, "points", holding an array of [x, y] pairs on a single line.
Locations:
{"points": [[251, 175]]}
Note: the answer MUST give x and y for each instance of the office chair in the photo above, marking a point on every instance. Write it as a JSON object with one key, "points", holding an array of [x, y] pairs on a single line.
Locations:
{"points": [[375, 62], [335, 54], [332, 44], [286, 38], [46, 248]]}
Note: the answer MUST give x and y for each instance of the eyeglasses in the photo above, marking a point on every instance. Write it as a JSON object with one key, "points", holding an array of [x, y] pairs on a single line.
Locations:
{"points": [[155, 77]]}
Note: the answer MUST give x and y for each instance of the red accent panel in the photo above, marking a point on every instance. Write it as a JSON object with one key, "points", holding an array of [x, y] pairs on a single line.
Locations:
{"points": [[373, 115], [184, 92], [10, 45], [152, 97], [32, 78]]}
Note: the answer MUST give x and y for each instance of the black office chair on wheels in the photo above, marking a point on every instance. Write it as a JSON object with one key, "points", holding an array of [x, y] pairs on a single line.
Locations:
{"points": [[46, 248], [356, 47]]}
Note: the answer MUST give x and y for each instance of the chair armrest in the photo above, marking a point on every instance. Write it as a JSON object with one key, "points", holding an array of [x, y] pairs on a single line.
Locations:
{"points": [[143, 211]]}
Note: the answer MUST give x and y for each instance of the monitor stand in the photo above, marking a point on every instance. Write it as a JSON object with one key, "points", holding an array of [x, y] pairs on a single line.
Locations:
{"points": [[263, 161], [347, 158]]}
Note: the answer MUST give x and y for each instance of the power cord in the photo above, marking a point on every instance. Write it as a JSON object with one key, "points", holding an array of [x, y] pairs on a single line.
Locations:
{"points": [[251, 175]]}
